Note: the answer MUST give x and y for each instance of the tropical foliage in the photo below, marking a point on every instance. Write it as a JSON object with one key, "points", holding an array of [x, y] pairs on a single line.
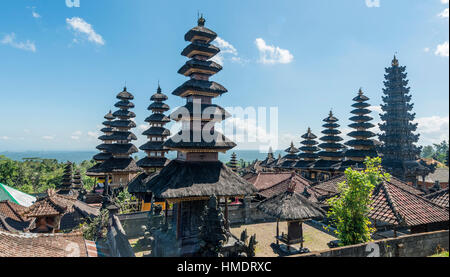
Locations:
{"points": [[438, 152], [35, 175], [349, 211]]}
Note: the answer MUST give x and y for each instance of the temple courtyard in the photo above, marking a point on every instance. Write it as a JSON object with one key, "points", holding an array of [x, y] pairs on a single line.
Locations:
{"points": [[315, 240]]}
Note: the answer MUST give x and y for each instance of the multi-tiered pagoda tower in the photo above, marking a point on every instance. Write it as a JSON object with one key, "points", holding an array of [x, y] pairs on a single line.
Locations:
{"points": [[309, 154], [67, 180], [104, 154], [331, 156], [121, 167], [399, 150], [362, 145], [233, 162], [156, 134], [291, 158], [196, 175], [156, 153]]}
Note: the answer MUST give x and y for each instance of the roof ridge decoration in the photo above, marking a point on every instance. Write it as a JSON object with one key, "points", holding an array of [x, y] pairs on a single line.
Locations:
{"points": [[391, 203]]}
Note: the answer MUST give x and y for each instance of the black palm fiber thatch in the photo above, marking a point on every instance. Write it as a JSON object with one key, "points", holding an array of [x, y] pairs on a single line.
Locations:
{"points": [[198, 179], [291, 206]]}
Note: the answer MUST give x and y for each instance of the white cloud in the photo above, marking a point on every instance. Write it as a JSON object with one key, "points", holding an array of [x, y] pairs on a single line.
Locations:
{"points": [[4, 138], [433, 129], [76, 135], [373, 3], [442, 50], [376, 109], [92, 134], [10, 39], [444, 13], [444, 1], [143, 127], [82, 27], [226, 50], [426, 49], [48, 137], [272, 54], [35, 14]]}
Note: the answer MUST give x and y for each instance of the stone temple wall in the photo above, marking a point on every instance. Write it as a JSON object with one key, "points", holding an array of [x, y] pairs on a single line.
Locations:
{"points": [[417, 245]]}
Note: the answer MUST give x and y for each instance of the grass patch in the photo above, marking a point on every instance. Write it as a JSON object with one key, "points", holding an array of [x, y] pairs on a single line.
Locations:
{"points": [[441, 255]]}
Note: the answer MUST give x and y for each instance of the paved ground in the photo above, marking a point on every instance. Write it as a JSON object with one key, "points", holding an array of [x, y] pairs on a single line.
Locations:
{"points": [[315, 240]]}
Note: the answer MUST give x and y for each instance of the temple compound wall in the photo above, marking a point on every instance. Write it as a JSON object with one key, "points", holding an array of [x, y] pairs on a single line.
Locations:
{"points": [[417, 245], [117, 239]]}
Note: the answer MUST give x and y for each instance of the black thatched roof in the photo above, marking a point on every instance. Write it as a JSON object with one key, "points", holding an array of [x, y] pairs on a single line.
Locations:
{"points": [[331, 146], [117, 165], [361, 111], [200, 31], [102, 156], [200, 65], [109, 116], [158, 106], [159, 96], [156, 131], [125, 95], [361, 118], [211, 50], [124, 104], [118, 148], [200, 85], [107, 130], [117, 135], [157, 118], [331, 118], [123, 124], [152, 146], [331, 125], [219, 141], [291, 206], [361, 125], [360, 142], [198, 179], [304, 164], [309, 135], [307, 156], [137, 185], [206, 111], [331, 132], [364, 134], [326, 165], [153, 162], [360, 105], [355, 153], [124, 113], [331, 138]]}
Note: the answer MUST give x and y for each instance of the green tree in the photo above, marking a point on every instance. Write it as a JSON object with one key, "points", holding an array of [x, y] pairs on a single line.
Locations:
{"points": [[349, 211], [427, 152], [441, 150]]}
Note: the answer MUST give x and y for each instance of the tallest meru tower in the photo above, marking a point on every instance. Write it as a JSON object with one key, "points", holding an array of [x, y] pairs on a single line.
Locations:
{"points": [[196, 175], [399, 151]]}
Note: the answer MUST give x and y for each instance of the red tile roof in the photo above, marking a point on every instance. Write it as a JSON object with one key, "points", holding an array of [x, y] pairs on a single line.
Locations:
{"points": [[440, 198], [330, 186], [397, 205], [10, 217], [271, 184], [265, 180], [42, 245], [12, 210]]}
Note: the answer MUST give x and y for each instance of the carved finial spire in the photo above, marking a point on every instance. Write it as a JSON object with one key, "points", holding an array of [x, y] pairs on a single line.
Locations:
{"points": [[395, 61], [201, 21], [292, 185], [360, 92], [159, 88]]}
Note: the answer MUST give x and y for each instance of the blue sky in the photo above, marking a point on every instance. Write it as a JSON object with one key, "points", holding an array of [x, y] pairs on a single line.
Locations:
{"points": [[62, 67]]}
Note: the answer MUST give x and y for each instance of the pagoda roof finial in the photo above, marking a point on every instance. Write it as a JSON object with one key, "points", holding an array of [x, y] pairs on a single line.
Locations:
{"points": [[360, 92], [395, 61], [159, 88], [331, 113], [201, 21]]}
